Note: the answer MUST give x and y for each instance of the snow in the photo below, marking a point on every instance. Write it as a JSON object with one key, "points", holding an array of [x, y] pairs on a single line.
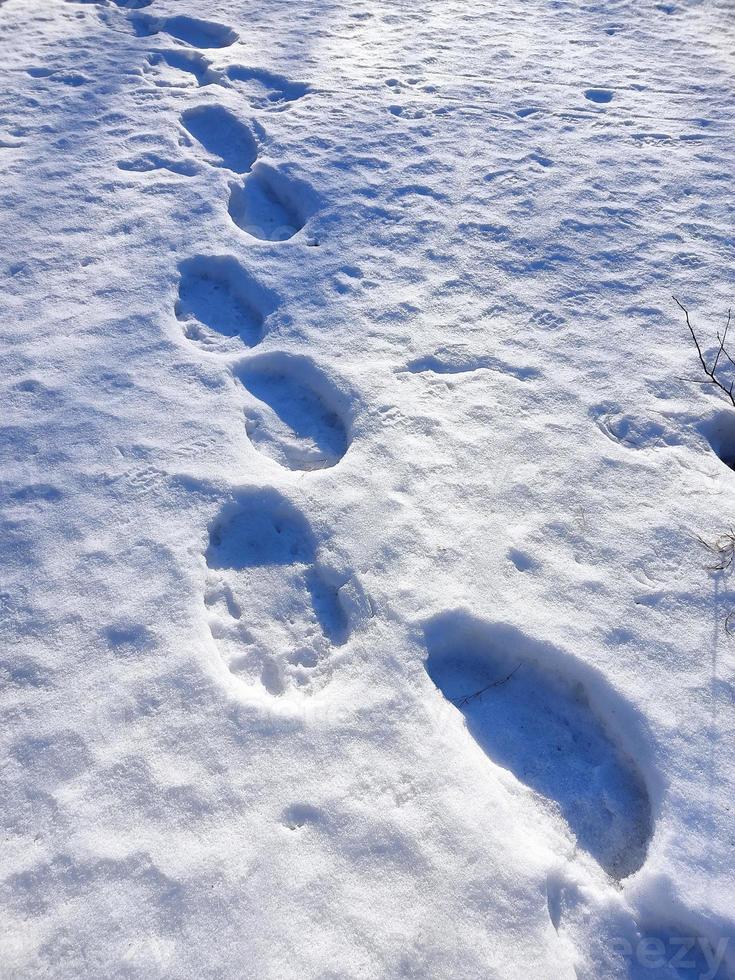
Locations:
{"points": [[355, 619]]}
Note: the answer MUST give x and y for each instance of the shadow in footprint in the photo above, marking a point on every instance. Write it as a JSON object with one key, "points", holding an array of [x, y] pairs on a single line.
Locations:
{"points": [[265, 87], [719, 431], [530, 714], [270, 206], [678, 954], [222, 134], [191, 30], [297, 419], [273, 608], [220, 305], [263, 529]]}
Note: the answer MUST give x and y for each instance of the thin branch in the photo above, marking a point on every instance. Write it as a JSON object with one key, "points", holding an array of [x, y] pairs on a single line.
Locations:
{"points": [[722, 345], [711, 372], [694, 336], [461, 702], [727, 327]]}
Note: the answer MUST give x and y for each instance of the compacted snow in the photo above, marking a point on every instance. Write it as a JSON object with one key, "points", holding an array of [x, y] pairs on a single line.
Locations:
{"points": [[355, 617]]}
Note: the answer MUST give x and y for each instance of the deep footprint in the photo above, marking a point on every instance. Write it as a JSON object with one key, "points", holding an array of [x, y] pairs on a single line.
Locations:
{"points": [[273, 610], [538, 722], [269, 206], [191, 30], [222, 308], [297, 414], [222, 134]]}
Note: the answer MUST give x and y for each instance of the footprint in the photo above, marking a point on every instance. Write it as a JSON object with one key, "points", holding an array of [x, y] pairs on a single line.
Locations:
{"points": [[191, 30], [296, 414], [531, 715], [221, 306], [179, 69], [265, 87], [222, 134], [299, 815], [72, 78], [274, 610], [270, 206], [719, 431], [599, 95], [632, 432]]}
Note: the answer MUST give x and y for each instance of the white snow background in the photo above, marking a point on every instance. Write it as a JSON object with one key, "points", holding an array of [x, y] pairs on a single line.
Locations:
{"points": [[355, 622]]}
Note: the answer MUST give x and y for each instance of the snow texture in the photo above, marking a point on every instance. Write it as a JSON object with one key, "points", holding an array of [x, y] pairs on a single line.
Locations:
{"points": [[355, 616]]}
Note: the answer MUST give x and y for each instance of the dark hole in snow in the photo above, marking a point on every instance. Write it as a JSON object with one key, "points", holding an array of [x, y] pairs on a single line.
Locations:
{"points": [[720, 433]]}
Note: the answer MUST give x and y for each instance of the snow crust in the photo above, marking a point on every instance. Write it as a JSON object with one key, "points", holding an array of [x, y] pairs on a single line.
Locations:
{"points": [[355, 619]]}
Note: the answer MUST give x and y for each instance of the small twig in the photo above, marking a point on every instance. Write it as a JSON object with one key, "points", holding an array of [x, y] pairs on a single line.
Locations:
{"points": [[461, 702], [722, 345], [727, 327], [711, 372]]}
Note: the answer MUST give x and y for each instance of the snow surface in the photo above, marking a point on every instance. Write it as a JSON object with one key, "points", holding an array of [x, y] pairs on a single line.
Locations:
{"points": [[355, 622]]}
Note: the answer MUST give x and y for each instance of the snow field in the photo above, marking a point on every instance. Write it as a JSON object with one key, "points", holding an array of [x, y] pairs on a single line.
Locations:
{"points": [[351, 492]]}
